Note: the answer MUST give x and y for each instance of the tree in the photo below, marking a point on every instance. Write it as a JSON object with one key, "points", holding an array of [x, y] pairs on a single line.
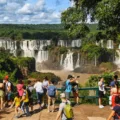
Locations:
{"points": [[105, 12]]}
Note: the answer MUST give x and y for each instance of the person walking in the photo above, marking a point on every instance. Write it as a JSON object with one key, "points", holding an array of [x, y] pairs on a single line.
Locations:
{"points": [[101, 92], [51, 91], [115, 114], [65, 109], [39, 92], [45, 87]]}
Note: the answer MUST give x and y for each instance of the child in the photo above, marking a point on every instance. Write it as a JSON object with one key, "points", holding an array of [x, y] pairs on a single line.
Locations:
{"points": [[17, 104]]}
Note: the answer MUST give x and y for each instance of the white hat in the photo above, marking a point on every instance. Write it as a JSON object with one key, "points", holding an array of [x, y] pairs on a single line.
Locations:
{"points": [[62, 95]]}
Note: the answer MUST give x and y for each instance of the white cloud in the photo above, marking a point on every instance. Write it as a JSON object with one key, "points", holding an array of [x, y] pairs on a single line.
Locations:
{"points": [[3, 2], [22, 11], [26, 9]]}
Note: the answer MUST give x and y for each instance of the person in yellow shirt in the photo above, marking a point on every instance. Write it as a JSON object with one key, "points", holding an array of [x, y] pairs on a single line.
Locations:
{"points": [[17, 104], [25, 102]]}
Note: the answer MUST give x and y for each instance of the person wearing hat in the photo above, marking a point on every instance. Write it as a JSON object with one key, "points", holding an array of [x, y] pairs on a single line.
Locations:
{"points": [[68, 89], [61, 108]]}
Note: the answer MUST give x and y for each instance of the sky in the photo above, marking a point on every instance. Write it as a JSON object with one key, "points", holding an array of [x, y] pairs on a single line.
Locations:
{"points": [[32, 11]]}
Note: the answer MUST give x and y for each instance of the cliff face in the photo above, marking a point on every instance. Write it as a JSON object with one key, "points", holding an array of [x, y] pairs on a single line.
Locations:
{"points": [[49, 55]]}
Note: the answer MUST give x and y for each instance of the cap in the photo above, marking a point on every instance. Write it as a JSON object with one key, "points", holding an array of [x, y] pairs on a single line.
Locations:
{"points": [[62, 95], [6, 77]]}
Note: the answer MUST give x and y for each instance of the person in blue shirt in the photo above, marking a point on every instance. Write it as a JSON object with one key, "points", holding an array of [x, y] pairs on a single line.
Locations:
{"points": [[112, 84], [68, 89]]}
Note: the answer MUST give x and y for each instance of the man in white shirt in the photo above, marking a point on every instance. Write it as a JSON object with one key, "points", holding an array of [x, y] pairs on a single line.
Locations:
{"points": [[101, 91], [39, 92]]}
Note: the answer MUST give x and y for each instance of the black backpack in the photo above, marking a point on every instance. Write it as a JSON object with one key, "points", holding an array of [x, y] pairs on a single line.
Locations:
{"points": [[64, 86]]}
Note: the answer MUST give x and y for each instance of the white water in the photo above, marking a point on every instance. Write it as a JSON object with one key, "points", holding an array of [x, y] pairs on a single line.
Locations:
{"points": [[117, 58], [78, 61]]}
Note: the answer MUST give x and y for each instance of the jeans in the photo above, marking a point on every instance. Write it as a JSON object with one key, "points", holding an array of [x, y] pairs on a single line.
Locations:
{"points": [[39, 97], [25, 108]]}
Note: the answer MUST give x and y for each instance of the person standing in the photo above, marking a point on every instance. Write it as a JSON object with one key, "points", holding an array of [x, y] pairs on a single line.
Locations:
{"points": [[112, 83], [1, 95], [75, 89], [8, 91], [101, 92], [65, 109], [45, 87], [30, 89], [68, 85], [39, 92], [52, 91]]}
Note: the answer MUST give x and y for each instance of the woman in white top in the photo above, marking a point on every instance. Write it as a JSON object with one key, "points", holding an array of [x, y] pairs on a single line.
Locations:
{"points": [[39, 92]]}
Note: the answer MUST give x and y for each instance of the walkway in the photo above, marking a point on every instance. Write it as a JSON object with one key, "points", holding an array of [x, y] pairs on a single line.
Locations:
{"points": [[82, 112]]}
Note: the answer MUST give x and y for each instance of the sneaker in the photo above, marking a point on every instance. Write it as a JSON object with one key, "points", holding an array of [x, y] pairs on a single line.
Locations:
{"points": [[101, 106]]}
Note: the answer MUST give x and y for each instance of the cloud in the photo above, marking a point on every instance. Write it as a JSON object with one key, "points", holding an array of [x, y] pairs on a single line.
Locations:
{"points": [[24, 11]]}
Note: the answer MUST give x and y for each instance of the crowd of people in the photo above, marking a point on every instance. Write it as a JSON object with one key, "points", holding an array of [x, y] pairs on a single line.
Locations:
{"points": [[46, 93]]}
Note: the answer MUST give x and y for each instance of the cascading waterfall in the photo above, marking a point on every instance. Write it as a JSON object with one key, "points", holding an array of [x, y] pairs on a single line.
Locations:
{"points": [[68, 62], [78, 61], [117, 59]]}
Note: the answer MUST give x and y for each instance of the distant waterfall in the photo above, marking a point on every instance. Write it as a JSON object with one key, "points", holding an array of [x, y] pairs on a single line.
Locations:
{"points": [[117, 59], [68, 62], [78, 61]]}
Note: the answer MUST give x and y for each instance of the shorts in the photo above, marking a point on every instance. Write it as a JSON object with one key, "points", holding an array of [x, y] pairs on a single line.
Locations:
{"points": [[1, 93], [30, 101], [100, 94], [9, 96], [75, 94], [67, 94]]}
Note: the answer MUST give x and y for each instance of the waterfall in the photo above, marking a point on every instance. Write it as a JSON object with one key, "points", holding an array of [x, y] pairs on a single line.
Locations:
{"points": [[61, 60], [68, 62], [110, 44], [117, 58], [78, 61]]}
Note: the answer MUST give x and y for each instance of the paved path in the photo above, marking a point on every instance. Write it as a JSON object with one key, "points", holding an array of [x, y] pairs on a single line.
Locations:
{"points": [[82, 112]]}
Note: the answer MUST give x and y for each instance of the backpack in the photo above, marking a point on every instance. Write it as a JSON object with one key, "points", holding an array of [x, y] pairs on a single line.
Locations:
{"points": [[13, 88], [68, 111], [28, 91], [51, 91]]}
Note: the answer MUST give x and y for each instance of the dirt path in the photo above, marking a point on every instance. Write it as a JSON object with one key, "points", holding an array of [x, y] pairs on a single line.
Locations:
{"points": [[82, 112], [63, 75]]}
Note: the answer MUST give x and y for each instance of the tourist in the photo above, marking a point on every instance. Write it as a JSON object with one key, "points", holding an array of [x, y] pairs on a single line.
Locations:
{"points": [[45, 87], [65, 114], [25, 102], [1, 95], [17, 104], [52, 91], [112, 83], [68, 85], [115, 91], [8, 91], [30, 89], [39, 92], [20, 87], [101, 91], [75, 90], [115, 114]]}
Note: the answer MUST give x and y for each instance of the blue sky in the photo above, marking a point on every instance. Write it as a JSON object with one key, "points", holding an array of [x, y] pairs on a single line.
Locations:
{"points": [[32, 11]]}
